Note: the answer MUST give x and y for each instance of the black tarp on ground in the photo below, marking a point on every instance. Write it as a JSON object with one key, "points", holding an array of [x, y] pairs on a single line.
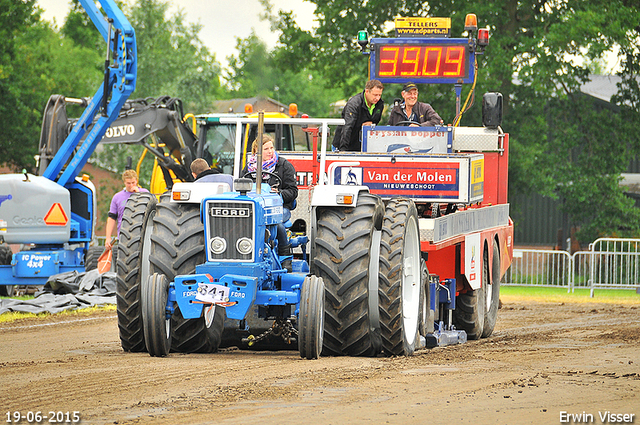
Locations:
{"points": [[67, 291]]}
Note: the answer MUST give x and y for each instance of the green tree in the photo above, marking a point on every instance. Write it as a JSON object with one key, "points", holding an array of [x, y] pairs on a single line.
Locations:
{"points": [[256, 71], [172, 60], [79, 28], [560, 145], [15, 109], [36, 61]]}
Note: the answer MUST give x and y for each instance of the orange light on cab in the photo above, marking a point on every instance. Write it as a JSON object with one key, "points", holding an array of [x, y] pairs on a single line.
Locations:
{"points": [[248, 108], [471, 22], [293, 110]]}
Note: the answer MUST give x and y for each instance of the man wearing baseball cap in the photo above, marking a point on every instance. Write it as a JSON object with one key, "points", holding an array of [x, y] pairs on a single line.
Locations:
{"points": [[419, 113]]}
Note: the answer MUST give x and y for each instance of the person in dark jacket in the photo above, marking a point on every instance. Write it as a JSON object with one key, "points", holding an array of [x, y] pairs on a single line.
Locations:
{"points": [[362, 109], [287, 187], [411, 110]]}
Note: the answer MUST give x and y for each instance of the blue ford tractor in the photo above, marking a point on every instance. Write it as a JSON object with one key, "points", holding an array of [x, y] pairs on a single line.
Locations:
{"points": [[229, 239]]}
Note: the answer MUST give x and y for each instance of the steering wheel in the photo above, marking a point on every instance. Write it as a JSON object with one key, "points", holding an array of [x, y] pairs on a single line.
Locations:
{"points": [[407, 123], [254, 174]]}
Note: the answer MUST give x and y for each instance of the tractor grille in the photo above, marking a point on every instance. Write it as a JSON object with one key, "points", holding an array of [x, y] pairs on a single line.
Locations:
{"points": [[230, 223]]}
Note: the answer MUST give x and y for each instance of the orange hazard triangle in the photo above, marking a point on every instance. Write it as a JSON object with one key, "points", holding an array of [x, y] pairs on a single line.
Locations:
{"points": [[56, 216]]}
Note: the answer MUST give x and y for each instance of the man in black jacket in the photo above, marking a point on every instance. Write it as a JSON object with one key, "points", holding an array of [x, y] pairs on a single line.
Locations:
{"points": [[362, 109], [411, 110]]}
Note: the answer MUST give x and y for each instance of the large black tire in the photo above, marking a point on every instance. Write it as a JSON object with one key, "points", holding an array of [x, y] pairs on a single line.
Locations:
{"points": [[401, 288], [157, 327], [132, 268], [471, 306], [177, 247], [342, 252], [311, 318], [492, 293], [5, 259], [92, 256]]}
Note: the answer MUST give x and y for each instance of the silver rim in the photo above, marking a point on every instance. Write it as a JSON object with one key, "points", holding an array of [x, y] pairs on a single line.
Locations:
{"points": [[209, 315], [411, 276]]}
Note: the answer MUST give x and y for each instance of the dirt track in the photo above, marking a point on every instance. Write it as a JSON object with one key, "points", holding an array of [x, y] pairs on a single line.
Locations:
{"points": [[543, 359]]}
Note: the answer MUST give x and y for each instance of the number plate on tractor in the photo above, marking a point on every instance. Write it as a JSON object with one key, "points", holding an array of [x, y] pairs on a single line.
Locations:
{"points": [[212, 293]]}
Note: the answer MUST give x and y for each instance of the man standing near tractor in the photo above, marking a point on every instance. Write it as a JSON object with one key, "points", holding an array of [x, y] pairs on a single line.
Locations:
{"points": [[119, 200], [362, 109]]}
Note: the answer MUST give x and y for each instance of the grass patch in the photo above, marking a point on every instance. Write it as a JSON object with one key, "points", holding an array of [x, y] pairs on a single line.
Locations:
{"points": [[12, 316], [580, 295]]}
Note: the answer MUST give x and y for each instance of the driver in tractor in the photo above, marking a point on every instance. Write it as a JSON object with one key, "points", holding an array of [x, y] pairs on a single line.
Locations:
{"points": [[412, 112], [281, 176]]}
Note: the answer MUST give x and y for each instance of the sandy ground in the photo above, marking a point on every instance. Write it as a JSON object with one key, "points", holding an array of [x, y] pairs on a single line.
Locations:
{"points": [[545, 361]]}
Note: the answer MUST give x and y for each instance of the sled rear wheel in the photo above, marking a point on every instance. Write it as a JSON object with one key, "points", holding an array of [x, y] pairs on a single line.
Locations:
{"points": [[492, 293]]}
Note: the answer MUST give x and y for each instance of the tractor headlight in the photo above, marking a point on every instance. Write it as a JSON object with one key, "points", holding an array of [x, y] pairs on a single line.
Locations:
{"points": [[243, 185], [218, 245], [244, 246]]}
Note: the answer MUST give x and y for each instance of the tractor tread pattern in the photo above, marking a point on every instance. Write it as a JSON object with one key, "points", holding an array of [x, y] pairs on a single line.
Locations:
{"points": [[177, 247], [390, 278], [134, 217], [341, 259]]}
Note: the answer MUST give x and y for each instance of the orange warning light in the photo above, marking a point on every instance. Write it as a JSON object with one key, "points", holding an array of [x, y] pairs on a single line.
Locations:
{"points": [[56, 216]]}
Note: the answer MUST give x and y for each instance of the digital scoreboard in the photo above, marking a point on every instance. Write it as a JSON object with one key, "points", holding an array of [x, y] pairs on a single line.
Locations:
{"points": [[422, 60]]}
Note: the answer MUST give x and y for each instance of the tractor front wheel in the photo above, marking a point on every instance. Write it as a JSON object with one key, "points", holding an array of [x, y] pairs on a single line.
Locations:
{"points": [[157, 325], [311, 318]]}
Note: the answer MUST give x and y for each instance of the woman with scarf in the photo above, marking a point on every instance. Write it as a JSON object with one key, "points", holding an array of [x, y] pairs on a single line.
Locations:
{"points": [[287, 186]]}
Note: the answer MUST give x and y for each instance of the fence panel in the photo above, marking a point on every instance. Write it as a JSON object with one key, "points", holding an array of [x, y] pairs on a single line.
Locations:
{"points": [[609, 263], [534, 267]]}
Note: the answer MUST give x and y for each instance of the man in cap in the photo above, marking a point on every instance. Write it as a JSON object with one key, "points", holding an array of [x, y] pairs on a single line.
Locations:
{"points": [[410, 109]]}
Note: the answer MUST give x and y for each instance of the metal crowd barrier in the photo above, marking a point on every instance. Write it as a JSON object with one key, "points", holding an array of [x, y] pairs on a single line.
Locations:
{"points": [[609, 263]]}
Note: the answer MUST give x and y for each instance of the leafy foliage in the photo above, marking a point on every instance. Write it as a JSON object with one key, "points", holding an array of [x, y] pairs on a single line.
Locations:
{"points": [[172, 58], [35, 61], [258, 72]]}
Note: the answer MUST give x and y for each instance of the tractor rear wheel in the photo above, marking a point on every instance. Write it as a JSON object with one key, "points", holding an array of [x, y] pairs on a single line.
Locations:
{"points": [[311, 318], [157, 326], [345, 255], [492, 293], [177, 247], [5, 259], [471, 306], [132, 268], [401, 289], [92, 256]]}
